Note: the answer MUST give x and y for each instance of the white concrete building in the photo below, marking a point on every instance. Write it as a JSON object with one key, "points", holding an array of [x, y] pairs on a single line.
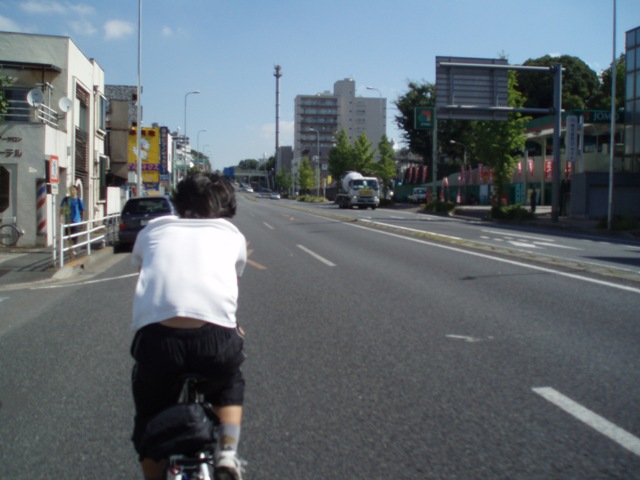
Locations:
{"points": [[319, 117], [56, 113]]}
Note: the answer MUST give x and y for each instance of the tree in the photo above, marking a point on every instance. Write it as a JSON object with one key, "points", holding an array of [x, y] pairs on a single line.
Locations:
{"points": [[603, 99], [248, 164], [386, 167], [341, 157], [421, 141], [306, 176], [580, 84], [417, 95], [284, 180], [363, 155], [497, 144]]}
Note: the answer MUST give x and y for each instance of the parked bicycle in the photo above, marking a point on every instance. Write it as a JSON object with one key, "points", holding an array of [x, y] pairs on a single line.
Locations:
{"points": [[185, 435], [9, 232]]}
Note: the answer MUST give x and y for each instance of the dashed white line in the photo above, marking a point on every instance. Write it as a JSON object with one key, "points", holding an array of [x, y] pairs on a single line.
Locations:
{"points": [[268, 226], [595, 421], [316, 256]]}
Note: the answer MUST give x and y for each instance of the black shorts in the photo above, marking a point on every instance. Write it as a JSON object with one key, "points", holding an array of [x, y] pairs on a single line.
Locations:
{"points": [[164, 355]]}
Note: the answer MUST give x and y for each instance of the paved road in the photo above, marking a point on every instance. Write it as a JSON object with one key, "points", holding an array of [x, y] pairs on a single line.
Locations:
{"points": [[369, 356]]}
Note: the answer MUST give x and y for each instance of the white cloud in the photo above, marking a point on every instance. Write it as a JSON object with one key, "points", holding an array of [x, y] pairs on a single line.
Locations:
{"points": [[8, 25], [167, 31], [51, 6], [115, 29], [83, 27]]}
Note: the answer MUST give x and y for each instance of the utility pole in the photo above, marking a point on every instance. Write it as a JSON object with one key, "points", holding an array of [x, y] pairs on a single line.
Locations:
{"points": [[277, 74]]}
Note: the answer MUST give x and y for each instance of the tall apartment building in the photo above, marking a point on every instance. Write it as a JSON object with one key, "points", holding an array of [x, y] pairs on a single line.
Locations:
{"points": [[319, 117]]}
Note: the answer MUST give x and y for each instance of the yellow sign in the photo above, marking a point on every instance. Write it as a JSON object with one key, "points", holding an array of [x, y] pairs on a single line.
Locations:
{"points": [[150, 153]]}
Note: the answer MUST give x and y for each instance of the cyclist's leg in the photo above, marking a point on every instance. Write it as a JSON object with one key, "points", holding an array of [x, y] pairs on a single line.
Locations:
{"points": [[152, 470]]}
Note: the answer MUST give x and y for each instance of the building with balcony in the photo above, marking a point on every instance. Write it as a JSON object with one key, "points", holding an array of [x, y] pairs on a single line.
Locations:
{"points": [[319, 117], [52, 134]]}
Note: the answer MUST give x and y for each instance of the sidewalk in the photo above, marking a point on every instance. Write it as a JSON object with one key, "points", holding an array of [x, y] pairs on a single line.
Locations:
{"points": [[543, 219], [29, 265]]}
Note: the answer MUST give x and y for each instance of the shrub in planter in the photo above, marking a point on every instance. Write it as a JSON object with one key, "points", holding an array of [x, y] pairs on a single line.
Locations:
{"points": [[511, 212], [439, 207]]}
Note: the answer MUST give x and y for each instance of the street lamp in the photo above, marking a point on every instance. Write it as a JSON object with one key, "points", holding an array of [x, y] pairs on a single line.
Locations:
{"points": [[185, 109], [464, 151], [318, 157], [204, 149], [194, 92], [198, 140]]}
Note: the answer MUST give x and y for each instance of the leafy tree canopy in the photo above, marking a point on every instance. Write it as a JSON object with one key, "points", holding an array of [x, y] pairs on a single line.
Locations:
{"points": [[580, 84], [342, 156], [306, 176]]}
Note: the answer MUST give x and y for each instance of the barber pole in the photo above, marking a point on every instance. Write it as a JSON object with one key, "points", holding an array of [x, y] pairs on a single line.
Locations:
{"points": [[41, 208]]}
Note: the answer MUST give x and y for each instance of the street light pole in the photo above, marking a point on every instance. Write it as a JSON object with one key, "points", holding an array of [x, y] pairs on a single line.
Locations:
{"points": [[194, 92], [204, 148], [198, 142], [318, 157]]}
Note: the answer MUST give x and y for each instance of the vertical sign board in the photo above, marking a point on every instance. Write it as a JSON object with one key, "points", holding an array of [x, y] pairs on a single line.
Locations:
{"points": [[469, 89], [423, 118], [571, 138]]}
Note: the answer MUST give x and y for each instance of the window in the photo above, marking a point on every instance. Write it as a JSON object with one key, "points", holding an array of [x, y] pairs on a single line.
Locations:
{"points": [[102, 114]]}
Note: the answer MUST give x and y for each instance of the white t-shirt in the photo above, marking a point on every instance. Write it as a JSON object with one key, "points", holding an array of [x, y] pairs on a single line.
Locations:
{"points": [[189, 268]]}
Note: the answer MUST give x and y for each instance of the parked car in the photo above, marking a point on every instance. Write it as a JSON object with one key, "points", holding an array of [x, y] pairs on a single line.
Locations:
{"points": [[274, 196], [137, 213], [419, 195]]}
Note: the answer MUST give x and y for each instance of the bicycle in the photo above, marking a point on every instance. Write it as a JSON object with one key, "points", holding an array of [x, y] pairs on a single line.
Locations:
{"points": [[185, 434], [9, 233]]}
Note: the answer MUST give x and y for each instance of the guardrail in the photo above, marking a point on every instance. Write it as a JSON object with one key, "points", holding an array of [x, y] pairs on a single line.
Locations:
{"points": [[96, 233]]}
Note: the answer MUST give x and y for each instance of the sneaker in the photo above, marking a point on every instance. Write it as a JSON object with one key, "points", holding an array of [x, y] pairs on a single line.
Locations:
{"points": [[228, 466]]}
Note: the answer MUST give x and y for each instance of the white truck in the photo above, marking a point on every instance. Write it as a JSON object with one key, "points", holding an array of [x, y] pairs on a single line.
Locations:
{"points": [[358, 191], [419, 195]]}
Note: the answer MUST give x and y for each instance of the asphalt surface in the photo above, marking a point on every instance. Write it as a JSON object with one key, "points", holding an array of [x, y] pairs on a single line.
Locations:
{"points": [[27, 265]]}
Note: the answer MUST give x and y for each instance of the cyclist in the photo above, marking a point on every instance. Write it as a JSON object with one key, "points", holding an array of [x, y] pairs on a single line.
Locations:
{"points": [[184, 312]]}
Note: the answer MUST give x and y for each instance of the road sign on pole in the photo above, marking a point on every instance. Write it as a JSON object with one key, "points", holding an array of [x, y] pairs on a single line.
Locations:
{"points": [[423, 118]]}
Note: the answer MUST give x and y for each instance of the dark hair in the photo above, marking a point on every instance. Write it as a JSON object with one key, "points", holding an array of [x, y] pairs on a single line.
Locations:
{"points": [[204, 195]]}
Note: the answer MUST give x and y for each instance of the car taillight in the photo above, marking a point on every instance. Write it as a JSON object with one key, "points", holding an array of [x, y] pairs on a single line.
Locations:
{"points": [[122, 226]]}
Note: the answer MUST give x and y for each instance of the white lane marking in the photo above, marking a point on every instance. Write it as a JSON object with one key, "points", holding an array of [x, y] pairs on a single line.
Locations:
{"points": [[2, 299], [88, 282], [268, 226], [502, 260], [413, 230], [466, 338], [555, 245], [316, 256], [515, 234], [595, 421], [522, 244]]}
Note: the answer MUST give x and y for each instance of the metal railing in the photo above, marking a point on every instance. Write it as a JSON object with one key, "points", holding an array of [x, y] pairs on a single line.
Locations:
{"points": [[97, 233]]}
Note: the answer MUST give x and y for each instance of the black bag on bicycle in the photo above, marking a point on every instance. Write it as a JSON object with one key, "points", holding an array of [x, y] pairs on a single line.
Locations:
{"points": [[182, 429]]}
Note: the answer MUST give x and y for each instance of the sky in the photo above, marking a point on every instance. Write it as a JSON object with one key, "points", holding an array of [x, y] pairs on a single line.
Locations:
{"points": [[227, 50]]}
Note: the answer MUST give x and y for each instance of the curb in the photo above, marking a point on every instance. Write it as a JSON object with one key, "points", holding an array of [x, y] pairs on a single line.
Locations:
{"points": [[79, 264]]}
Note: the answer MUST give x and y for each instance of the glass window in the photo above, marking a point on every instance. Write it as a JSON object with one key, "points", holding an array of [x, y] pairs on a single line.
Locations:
{"points": [[637, 92], [631, 38], [637, 52], [630, 60], [629, 87], [636, 139]]}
